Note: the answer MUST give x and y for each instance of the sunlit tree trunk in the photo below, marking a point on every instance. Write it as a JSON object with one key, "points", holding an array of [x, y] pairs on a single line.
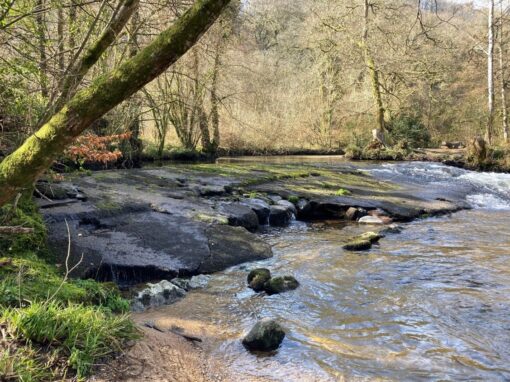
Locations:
{"points": [[373, 73], [504, 110], [490, 74], [21, 169]]}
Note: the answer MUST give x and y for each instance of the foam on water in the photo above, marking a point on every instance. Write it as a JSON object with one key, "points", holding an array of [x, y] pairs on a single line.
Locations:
{"points": [[486, 190]]}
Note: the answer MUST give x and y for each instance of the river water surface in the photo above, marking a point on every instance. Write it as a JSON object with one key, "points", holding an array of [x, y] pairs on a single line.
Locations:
{"points": [[429, 303]]}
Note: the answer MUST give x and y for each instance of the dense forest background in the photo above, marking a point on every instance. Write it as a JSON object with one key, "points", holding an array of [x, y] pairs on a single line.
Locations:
{"points": [[269, 75]]}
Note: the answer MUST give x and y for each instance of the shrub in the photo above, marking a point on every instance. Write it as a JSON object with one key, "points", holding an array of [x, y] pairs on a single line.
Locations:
{"points": [[410, 129]]}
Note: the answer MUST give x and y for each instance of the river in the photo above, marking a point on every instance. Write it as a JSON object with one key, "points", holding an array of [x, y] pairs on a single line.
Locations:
{"points": [[429, 303]]}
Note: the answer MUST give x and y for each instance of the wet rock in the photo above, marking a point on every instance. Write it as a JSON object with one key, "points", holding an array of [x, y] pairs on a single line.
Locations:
{"points": [[230, 246], [199, 281], [240, 215], [260, 207], [280, 284], [354, 213], [358, 245], [195, 282], [162, 293], [392, 228], [279, 216], [288, 205], [274, 198], [257, 278], [266, 335], [371, 220]]}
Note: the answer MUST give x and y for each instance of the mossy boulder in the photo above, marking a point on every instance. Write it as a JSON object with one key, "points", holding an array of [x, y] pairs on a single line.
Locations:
{"points": [[280, 284], [373, 237], [358, 245], [257, 278], [266, 335]]}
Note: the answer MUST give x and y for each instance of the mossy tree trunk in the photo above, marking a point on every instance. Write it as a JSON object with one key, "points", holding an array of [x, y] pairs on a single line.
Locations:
{"points": [[22, 168]]}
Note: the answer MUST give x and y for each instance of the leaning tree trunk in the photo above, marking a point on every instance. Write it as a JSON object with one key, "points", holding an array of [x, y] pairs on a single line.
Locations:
{"points": [[22, 168], [490, 74], [374, 76]]}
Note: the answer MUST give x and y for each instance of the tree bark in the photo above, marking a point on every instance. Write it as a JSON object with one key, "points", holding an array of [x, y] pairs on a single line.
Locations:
{"points": [[504, 109], [135, 142], [41, 37], [20, 169], [490, 74], [373, 72]]}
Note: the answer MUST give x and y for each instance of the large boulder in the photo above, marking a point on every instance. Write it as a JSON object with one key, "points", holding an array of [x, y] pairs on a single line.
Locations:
{"points": [[266, 335], [279, 216], [260, 207], [257, 278], [162, 293], [240, 215], [280, 284]]}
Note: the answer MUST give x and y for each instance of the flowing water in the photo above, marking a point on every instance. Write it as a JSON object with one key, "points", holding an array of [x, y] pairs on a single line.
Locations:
{"points": [[429, 303]]}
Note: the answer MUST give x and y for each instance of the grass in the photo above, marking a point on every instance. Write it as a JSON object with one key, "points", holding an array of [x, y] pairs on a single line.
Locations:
{"points": [[56, 327], [82, 334]]}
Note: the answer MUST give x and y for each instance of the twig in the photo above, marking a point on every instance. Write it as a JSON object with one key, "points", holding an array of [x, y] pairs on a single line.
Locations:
{"points": [[15, 230], [68, 271]]}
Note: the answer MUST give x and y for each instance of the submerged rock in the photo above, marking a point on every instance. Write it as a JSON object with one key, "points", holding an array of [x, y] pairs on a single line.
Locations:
{"points": [[358, 245], [280, 284], [279, 216], [162, 293], [266, 335], [257, 278]]}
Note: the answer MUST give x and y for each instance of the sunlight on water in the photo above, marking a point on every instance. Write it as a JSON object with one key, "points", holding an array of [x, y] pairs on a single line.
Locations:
{"points": [[430, 303]]}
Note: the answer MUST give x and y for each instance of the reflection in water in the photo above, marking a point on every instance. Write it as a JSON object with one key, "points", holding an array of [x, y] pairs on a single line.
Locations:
{"points": [[430, 303]]}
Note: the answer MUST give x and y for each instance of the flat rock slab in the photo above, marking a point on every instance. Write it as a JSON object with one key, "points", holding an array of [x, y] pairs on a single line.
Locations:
{"points": [[138, 228]]}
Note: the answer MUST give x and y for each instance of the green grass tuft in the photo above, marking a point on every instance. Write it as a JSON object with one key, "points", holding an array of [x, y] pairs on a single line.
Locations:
{"points": [[84, 334]]}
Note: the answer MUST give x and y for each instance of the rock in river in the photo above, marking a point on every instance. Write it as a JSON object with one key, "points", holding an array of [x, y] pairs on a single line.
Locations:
{"points": [[358, 245], [257, 278], [280, 284], [162, 293], [260, 207], [371, 220], [279, 216], [266, 335]]}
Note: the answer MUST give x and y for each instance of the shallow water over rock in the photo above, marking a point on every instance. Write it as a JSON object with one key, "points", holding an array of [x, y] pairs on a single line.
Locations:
{"points": [[429, 303]]}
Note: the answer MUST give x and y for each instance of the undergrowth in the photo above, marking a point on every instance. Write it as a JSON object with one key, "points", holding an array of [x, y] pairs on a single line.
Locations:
{"points": [[52, 327]]}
